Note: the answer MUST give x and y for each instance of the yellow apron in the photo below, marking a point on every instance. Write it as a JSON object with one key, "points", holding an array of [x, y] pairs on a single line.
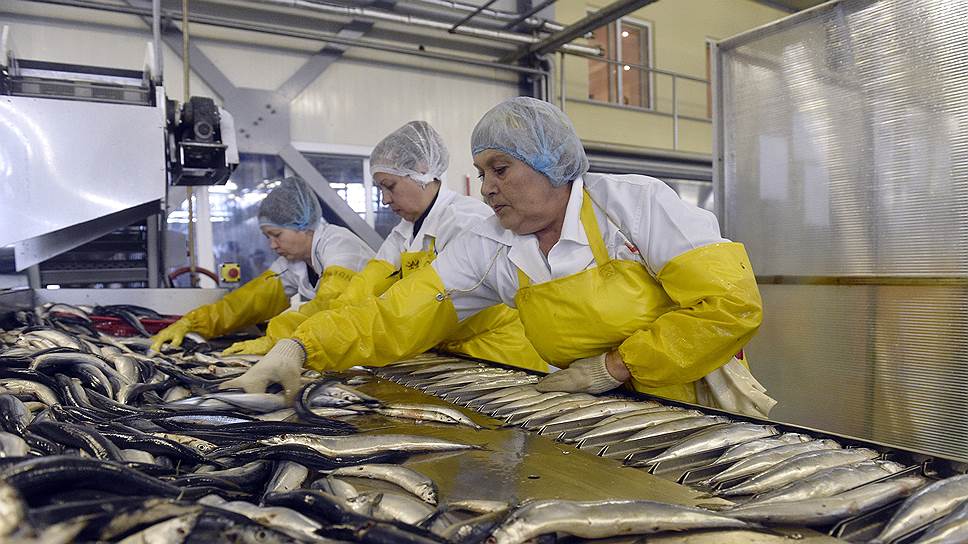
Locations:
{"points": [[594, 311], [495, 334]]}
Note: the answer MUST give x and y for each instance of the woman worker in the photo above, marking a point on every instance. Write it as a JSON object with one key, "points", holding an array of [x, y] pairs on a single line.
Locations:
{"points": [[408, 166], [614, 277], [316, 259]]}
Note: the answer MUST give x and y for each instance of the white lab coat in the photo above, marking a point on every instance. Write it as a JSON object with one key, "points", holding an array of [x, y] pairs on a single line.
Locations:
{"points": [[647, 223], [450, 215], [332, 246]]}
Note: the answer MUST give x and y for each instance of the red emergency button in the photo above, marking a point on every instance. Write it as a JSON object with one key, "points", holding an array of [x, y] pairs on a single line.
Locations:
{"points": [[230, 272]]}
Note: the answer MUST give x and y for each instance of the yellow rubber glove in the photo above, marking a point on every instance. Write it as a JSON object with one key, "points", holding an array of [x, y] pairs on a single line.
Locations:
{"points": [[258, 300], [588, 375], [411, 317], [283, 365], [257, 346], [172, 335]]}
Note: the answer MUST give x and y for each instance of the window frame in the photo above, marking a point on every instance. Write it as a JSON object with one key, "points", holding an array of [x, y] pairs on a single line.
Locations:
{"points": [[709, 44], [616, 45], [361, 151]]}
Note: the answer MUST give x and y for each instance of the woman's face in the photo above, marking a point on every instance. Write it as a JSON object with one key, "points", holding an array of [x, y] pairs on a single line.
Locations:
{"points": [[294, 245], [523, 199], [406, 197]]}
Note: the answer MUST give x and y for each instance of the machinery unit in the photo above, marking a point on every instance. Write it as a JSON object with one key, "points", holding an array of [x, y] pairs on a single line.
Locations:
{"points": [[89, 152]]}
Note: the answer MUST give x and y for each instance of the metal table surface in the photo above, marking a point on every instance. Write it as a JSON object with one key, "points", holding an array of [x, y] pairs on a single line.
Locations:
{"points": [[515, 465]]}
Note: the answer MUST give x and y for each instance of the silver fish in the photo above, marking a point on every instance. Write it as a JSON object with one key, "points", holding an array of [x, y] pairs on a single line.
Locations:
{"points": [[444, 367], [676, 426], [408, 479], [284, 519], [288, 476], [467, 377], [418, 414], [452, 413], [362, 444], [636, 423], [546, 408], [138, 456], [506, 405], [255, 402], [720, 437], [650, 408], [827, 510], [394, 507], [596, 411], [829, 482], [951, 529], [758, 462], [12, 445], [336, 487], [500, 394], [746, 449], [478, 506], [197, 444], [603, 519], [476, 389], [929, 504], [798, 468], [170, 531], [12, 510], [26, 387]]}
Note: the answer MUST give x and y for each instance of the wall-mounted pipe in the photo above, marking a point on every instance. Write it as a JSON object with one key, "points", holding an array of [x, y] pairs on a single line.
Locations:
{"points": [[532, 22], [378, 15]]}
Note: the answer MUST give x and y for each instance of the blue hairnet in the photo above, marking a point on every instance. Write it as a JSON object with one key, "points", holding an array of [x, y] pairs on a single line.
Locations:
{"points": [[535, 132], [414, 150], [291, 205]]}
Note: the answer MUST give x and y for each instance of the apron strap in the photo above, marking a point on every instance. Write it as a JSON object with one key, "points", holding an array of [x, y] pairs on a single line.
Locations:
{"points": [[595, 239], [590, 222]]}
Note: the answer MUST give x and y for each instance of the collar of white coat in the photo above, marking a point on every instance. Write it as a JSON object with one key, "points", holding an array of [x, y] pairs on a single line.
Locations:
{"points": [[318, 236], [571, 230], [431, 223], [524, 252]]}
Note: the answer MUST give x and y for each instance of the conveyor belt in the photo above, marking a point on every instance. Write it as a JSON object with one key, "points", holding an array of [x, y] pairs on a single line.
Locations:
{"points": [[537, 464]]}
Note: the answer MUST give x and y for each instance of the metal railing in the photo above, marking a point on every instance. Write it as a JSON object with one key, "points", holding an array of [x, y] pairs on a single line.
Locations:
{"points": [[675, 112]]}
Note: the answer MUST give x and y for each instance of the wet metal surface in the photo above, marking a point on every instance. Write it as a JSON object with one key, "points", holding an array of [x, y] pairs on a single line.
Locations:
{"points": [[515, 465]]}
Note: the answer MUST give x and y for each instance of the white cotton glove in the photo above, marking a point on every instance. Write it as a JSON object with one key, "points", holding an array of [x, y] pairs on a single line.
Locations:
{"points": [[587, 375], [283, 365]]}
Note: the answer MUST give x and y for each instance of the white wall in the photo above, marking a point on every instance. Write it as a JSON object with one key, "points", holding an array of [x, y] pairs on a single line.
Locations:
{"points": [[357, 102]]}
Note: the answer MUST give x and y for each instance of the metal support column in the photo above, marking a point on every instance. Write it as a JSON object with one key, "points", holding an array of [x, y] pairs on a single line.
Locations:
{"points": [[152, 244], [33, 276]]}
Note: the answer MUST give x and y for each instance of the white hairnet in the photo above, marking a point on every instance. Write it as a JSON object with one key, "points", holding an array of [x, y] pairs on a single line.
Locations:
{"points": [[414, 150], [291, 205], [535, 132]]}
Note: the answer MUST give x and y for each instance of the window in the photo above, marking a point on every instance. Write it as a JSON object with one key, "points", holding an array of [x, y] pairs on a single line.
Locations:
{"points": [[621, 78], [349, 176]]}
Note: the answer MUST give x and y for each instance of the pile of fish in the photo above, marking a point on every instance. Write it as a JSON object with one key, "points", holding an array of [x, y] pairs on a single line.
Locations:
{"points": [[102, 440], [774, 478]]}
